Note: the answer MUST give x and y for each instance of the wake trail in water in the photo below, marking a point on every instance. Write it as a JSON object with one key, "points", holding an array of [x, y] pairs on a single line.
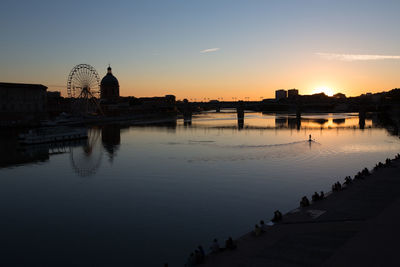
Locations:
{"points": [[201, 141], [275, 145], [298, 151]]}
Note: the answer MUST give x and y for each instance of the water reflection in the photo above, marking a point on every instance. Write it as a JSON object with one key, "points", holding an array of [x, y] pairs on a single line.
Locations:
{"points": [[86, 159], [294, 123], [164, 175], [111, 139], [12, 155], [339, 121], [281, 122], [240, 123], [86, 155], [319, 121]]}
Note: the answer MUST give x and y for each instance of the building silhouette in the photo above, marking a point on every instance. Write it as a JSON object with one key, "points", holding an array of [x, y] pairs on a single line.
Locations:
{"points": [[293, 93], [21, 102], [109, 88], [280, 94]]}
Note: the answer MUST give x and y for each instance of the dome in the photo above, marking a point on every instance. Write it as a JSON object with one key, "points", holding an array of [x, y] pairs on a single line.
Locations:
{"points": [[109, 79], [109, 87]]}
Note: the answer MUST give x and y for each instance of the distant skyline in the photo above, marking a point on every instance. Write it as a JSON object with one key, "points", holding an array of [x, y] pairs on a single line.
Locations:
{"points": [[206, 49]]}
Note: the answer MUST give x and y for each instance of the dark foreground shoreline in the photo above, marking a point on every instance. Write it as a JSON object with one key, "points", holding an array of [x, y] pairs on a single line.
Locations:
{"points": [[357, 226]]}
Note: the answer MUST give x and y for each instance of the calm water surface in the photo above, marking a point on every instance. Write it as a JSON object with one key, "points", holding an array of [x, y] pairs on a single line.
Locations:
{"points": [[142, 196]]}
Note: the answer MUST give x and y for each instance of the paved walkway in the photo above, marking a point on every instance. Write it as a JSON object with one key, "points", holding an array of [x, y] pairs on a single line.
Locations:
{"points": [[358, 226]]}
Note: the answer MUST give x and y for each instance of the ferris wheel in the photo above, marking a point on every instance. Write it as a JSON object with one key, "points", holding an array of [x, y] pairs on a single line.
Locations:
{"points": [[83, 86]]}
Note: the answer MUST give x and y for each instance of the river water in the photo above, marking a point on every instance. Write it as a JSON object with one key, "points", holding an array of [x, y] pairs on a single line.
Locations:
{"points": [[146, 195]]}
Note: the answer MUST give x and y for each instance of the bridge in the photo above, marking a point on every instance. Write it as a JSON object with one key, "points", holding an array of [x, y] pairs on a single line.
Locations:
{"points": [[218, 105], [188, 108]]}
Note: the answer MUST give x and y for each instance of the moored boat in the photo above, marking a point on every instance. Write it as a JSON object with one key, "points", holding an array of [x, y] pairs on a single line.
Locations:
{"points": [[52, 134]]}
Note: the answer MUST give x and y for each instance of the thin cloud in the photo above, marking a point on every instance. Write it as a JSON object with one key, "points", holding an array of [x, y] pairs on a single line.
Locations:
{"points": [[209, 50], [355, 57]]}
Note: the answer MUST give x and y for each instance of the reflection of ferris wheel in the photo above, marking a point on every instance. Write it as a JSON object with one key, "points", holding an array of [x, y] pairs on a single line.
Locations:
{"points": [[84, 86], [86, 159]]}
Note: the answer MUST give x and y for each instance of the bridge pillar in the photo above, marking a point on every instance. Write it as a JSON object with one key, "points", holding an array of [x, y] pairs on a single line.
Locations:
{"points": [[240, 114], [298, 115], [240, 124], [187, 112], [298, 112], [361, 117]]}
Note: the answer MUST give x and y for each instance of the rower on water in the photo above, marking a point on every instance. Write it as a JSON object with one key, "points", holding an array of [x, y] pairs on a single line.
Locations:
{"points": [[309, 138]]}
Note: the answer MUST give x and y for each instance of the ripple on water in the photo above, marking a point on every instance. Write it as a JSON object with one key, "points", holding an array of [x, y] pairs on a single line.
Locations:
{"points": [[298, 152]]}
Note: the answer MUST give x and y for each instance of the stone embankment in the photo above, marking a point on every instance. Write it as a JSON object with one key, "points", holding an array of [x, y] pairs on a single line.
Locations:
{"points": [[355, 226]]}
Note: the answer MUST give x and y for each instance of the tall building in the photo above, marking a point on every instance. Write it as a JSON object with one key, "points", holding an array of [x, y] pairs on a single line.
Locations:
{"points": [[280, 94], [22, 102], [109, 88], [293, 93]]}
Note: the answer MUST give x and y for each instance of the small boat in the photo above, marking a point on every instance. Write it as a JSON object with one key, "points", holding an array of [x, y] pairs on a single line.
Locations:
{"points": [[52, 134]]}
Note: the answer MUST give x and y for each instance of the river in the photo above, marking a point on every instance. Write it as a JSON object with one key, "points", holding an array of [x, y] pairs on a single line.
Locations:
{"points": [[146, 195]]}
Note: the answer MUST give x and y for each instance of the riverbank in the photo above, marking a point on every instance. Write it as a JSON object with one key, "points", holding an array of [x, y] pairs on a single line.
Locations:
{"points": [[135, 119], [357, 226]]}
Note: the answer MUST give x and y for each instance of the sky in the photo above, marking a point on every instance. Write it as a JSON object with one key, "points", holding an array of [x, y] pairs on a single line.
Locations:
{"points": [[206, 49]]}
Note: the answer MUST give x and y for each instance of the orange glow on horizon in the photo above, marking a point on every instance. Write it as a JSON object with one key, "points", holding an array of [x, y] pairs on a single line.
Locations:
{"points": [[253, 84], [324, 89], [231, 91]]}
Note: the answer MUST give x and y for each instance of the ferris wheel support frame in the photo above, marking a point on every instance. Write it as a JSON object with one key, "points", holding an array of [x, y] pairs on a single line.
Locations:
{"points": [[85, 78]]}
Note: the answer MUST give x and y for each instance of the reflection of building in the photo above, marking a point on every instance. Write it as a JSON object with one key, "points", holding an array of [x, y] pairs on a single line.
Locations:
{"points": [[294, 123], [339, 121], [111, 139], [280, 94], [320, 121], [22, 102], [109, 88], [281, 122]]}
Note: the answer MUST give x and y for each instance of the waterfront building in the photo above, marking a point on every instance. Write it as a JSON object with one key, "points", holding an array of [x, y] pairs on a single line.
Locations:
{"points": [[376, 98], [293, 93], [109, 88], [169, 99], [21, 102], [339, 96], [280, 94], [166, 104], [56, 104], [53, 94]]}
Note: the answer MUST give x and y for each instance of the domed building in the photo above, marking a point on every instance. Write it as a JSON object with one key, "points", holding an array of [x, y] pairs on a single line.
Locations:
{"points": [[109, 88]]}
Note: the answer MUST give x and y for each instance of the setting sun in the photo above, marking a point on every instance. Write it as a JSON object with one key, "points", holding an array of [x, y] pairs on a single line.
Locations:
{"points": [[323, 89]]}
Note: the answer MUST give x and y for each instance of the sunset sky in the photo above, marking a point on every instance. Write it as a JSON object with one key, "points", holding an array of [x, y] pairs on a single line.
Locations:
{"points": [[206, 48]]}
